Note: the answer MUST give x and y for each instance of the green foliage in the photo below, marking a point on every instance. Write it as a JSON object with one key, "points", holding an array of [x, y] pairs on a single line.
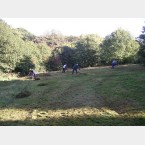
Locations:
{"points": [[52, 39], [10, 48], [16, 45], [88, 50], [24, 34], [141, 40], [44, 54], [85, 57], [24, 66], [30, 50], [119, 45], [71, 41], [54, 62], [51, 51], [66, 55], [86, 53]]}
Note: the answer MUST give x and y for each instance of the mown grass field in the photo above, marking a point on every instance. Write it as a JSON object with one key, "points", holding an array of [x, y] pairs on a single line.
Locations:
{"points": [[94, 97]]}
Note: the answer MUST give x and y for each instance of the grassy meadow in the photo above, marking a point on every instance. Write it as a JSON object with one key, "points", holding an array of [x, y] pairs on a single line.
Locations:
{"points": [[97, 96]]}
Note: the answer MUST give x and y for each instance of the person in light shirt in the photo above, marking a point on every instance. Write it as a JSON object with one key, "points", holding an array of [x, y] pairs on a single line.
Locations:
{"points": [[64, 68]]}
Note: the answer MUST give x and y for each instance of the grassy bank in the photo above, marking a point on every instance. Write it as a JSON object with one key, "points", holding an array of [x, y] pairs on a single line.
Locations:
{"points": [[94, 97]]}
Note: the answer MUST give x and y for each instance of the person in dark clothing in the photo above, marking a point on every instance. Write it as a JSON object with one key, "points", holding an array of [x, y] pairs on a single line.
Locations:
{"points": [[32, 73], [75, 68], [114, 62]]}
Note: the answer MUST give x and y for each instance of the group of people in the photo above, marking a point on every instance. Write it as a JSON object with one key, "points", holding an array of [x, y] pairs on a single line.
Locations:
{"points": [[33, 74], [75, 68]]}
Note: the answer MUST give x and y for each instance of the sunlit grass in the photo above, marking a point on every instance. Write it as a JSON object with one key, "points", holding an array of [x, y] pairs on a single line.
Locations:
{"points": [[94, 96], [21, 114], [89, 116]]}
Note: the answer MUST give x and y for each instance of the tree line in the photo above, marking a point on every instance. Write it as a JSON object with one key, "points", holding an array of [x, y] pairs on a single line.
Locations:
{"points": [[20, 50]]}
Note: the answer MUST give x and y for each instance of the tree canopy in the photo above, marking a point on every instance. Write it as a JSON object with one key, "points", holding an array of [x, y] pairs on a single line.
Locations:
{"points": [[20, 49], [119, 45]]}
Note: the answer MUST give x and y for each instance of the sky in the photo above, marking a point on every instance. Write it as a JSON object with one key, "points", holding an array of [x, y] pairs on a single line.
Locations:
{"points": [[78, 26]]}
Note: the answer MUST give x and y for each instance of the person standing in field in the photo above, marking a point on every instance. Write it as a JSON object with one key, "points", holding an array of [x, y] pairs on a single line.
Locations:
{"points": [[64, 68], [75, 68], [114, 62]]}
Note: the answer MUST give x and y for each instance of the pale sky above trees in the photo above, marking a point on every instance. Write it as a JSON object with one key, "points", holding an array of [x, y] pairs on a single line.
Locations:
{"points": [[78, 26]]}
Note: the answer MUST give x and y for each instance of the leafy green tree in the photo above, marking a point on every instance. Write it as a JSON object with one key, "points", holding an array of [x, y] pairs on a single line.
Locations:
{"points": [[52, 39], [31, 50], [87, 51], [85, 58], [24, 65], [119, 45], [54, 62], [10, 48], [141, 40], [24, 34], [44, 53], [70, 41], [66, 55]]}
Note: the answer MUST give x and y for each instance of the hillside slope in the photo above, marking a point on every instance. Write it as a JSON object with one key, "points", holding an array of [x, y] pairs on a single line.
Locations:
{"points": [[94, 97]]}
